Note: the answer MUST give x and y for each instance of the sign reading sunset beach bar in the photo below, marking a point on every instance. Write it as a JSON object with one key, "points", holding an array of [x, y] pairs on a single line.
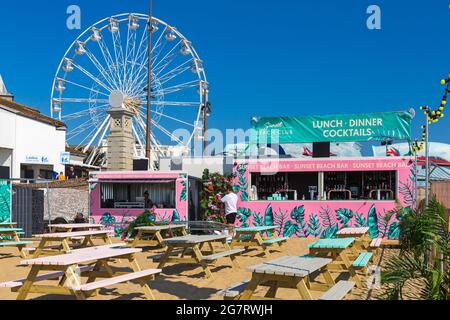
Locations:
{"points": [[332, 128]]}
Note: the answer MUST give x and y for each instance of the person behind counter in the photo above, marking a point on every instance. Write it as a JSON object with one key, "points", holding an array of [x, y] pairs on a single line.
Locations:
{"points": [[147, 201]]}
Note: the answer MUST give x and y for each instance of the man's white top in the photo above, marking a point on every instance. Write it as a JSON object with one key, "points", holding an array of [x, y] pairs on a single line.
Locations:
{"points": [[230, 201]]}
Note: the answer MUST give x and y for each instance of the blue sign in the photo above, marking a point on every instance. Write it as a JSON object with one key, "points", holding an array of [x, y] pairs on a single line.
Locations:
{"points": [[36, 159], [65, 158]]}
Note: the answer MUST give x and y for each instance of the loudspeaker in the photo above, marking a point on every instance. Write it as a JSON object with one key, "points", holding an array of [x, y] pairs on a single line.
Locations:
{"points": [[321, 149], [176, 164], [140, 165]]}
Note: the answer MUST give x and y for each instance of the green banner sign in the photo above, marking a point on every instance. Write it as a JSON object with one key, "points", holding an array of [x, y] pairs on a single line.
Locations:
{"points": [[333, 128], [5, 201]]}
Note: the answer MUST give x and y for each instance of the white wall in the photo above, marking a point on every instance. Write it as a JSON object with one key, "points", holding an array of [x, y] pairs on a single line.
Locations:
{"points": [[30, 137]]}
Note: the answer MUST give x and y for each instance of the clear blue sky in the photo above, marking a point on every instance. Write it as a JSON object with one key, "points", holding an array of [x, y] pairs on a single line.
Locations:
{"points": [[285, 57]]}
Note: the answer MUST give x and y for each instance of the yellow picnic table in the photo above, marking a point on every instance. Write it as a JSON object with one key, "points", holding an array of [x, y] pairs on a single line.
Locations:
{"points": [[62, 239], [361, 235], [154, 235], [251, 238], [68, 270], [188, 250], [289, 272]]}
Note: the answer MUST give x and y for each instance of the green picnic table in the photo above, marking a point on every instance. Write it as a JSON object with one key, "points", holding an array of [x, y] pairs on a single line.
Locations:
{"points": [[252, 238], [9, 237], [343, 252]]}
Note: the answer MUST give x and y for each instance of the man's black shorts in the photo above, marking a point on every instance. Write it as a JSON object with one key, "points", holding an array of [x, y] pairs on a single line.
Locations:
{"points": [[231, 218]]}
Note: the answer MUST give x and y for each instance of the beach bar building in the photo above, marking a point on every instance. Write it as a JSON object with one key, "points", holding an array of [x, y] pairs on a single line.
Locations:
{"points": [[116, 198]]}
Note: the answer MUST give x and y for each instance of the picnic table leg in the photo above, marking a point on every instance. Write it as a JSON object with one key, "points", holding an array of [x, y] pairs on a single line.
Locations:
{"points": [[351, 270], [328, 278], [142, 282], [136, 240], [160, 239], [39, 248], [74, 282], [197, 254], [25, 289], [303, 290], [65, 246], [165, 257], [232, 257], [251, 288], [184, 232], [273, 290], [261, 244]]}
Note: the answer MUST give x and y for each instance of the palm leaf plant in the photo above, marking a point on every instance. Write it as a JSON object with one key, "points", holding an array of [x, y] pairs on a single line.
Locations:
{"points": [[424, 256]]}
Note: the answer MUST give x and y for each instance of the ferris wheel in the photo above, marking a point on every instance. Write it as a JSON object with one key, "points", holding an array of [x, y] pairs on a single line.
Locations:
{"points": [[109, 61]]}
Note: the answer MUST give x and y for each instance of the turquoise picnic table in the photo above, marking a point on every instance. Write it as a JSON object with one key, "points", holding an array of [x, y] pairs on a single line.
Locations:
{"points": [[342, 252], [9, 237], [252, 238]]}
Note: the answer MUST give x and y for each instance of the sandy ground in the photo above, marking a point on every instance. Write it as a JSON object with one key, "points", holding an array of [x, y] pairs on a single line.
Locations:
{"points": [[185, 282]]}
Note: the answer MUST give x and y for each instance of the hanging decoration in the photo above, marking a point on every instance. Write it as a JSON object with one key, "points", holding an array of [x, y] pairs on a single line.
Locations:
{"points": [[433, 116]]}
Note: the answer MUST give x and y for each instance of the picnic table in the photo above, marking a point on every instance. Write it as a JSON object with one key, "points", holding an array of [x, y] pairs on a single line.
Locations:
{"points": [[290, 272], [8, 225], [251, 238], [360, 234], [62, 239], [341, 251], [12, 238], [68, 269], [154, 235], [192, 246], [74, 226]]}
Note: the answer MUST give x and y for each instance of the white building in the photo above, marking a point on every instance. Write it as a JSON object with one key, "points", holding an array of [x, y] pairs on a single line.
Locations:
{"points": [[32, 145]]}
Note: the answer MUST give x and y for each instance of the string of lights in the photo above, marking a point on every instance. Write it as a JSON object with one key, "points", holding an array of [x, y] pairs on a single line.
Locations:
{"points": [[433, 116]]}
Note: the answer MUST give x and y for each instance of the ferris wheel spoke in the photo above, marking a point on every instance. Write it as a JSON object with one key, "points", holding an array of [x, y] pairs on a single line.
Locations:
{"points": [[95, 79], [84, 87], [130, 55], [168, 54], [174, 119], [109, 60], [182, 68], [80, 129], [166, 132], [99, 144], [101, 69], [177, 88], [118, 53], [83, 113], [100, 129], [83, 100]]}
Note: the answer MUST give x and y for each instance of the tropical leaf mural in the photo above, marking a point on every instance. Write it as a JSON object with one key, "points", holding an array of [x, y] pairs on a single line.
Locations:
{"points": [[243, 215], [330, 226], [360, 221], [258, 220], [297, 226], [176, 216], [183, 194], [344, 216], [269, 219], [108, 219], [394, 231], [373, 222], [242, 183], [280, 220], [5, 201], [314, 226], [406, 189]]}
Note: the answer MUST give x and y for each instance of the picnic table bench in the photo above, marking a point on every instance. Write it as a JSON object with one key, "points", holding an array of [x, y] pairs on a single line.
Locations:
{"points": [[251, 238], [62, 239], [155, 235], [191, 251], [13, 238], [342, 252], [286, 272], [68, 269]]}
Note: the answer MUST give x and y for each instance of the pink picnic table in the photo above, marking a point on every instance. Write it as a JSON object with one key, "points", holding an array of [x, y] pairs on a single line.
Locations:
{"points": [[361, 235], [68, 269]]}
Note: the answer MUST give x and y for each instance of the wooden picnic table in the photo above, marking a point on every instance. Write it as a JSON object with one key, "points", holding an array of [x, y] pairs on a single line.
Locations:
{"points": [[252, 238], [14, 241], [67, 270], [8, 225], [289, 272], [361, 235], [74, 226], [63, 238], [341, 251], [192, 245], [154, 235]]}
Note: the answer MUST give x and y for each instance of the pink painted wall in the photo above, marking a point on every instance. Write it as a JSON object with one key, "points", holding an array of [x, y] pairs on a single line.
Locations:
{"points": [[118, 219], [322, 219]]}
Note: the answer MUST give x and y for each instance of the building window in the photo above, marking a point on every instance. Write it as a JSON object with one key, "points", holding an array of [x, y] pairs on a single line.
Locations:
{"points": [[131, 195]]}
